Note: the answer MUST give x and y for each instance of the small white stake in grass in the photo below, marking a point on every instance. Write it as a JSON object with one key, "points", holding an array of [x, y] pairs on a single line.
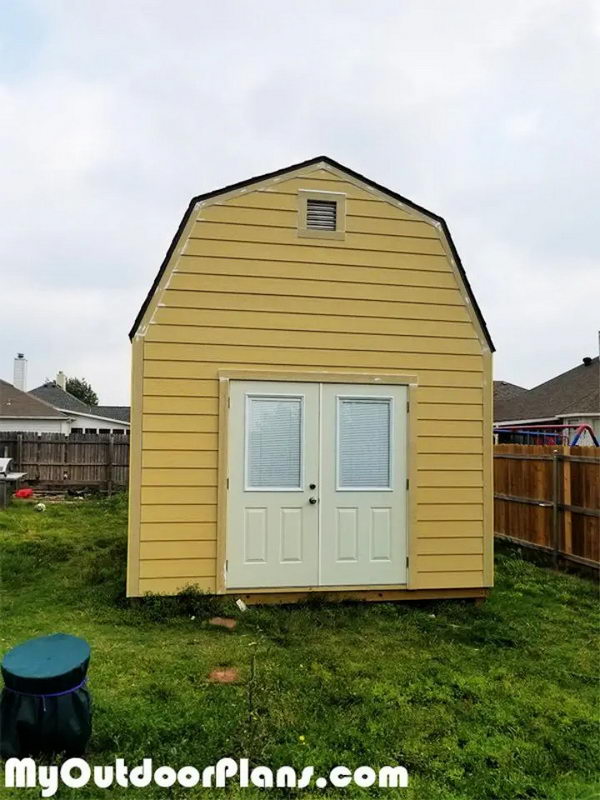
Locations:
{"points": [[241, 605]]}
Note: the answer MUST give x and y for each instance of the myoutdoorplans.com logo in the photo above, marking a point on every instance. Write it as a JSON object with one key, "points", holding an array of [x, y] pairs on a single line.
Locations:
{"points": [[75, 773]]}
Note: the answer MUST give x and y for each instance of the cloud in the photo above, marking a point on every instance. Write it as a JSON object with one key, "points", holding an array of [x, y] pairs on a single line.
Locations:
{"points": [[112, 115]]}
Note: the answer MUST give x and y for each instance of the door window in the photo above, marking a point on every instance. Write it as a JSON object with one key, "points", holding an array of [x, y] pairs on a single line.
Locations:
{"points": [[274, 443], [364, 443]]}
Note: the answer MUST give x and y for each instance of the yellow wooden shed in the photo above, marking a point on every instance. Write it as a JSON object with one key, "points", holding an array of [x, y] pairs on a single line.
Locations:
{"points": [[312, 400]]}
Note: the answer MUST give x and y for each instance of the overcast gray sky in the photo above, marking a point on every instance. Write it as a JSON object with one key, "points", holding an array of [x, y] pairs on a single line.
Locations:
{"points": [[114, 113]]}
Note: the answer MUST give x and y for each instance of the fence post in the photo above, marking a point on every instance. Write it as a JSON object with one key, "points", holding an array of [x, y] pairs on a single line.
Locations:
{"points": [[20, 452], [109, 466], [555, 485], [566, 499]]}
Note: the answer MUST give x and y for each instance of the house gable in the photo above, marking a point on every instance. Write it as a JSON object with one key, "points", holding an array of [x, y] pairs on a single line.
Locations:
{"points": [[325, 174]]}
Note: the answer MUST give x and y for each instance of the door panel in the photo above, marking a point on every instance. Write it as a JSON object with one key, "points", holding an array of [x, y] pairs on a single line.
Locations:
{"points": [[272, 528], [363, 485]]}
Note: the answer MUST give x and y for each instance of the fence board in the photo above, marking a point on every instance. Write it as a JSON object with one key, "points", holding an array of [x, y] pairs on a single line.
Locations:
{"points": [[565, 478], [78, 460]]}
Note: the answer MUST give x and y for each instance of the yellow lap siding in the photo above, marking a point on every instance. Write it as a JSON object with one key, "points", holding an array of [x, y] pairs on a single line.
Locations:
{"points": [[187, 281], [179, 477], [450, 478], [449, 411], [312, 254], [289, 237], [180, 405], [461, 395], [183, 334], [179, 513], [446, 546], [167, 531], [443, 445], [167, 388], [444, 496], [181, 423], [465, 579], [193, 265], [279, 355], [443, 461], [366, 222], [192, 370], [320, 306], [180, 441], [452, 528], [152, 495], [299, 320], [437, 428], [449, 512], [449, 563], [179, 458], [185, 549], [288, 200], [182, 567]]}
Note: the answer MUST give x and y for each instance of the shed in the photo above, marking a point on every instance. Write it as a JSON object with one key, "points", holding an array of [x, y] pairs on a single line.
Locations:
{"points": [[312, 400]]}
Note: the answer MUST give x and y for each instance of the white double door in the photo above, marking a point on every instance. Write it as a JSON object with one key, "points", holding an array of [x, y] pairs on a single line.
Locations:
{"points": [[316, 485]]}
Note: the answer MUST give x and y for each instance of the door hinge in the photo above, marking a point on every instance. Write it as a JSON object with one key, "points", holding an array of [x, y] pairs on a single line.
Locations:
{"points": [[407, 406], [228, 483], [407, 560], [229, 402], [226, 566], [407, 483]]}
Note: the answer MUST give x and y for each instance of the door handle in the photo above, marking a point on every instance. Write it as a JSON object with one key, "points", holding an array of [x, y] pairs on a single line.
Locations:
{"points": [[312, 500]]}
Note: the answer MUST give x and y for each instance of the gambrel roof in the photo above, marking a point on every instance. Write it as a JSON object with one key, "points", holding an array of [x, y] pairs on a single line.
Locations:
{"points": [[325, 161]]}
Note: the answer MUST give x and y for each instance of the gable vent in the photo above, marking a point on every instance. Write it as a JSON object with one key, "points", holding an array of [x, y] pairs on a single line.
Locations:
{"points": [[321, 215]]}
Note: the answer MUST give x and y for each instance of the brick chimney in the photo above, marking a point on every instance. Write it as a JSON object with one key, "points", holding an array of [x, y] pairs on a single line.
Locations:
{"points": [[20, 372]]}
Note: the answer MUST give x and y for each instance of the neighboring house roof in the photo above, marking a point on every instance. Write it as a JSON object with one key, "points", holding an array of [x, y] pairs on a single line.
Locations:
{"points": [[53, 394], [15, 403], [310, 162], [576, 391], [506, 396], [121, 413]]}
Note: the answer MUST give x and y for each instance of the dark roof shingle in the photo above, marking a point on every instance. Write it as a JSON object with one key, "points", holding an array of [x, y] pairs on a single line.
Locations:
{"points": [[15, 403], [52, 393], [120, 413], [576, 391]]}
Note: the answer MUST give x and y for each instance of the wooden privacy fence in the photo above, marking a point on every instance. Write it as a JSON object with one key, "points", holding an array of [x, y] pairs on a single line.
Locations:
{"points": [[79, 460], [548, 498]]}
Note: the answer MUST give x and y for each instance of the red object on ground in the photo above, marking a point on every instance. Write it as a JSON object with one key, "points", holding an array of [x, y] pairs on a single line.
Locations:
{"points": [[23, 493]]}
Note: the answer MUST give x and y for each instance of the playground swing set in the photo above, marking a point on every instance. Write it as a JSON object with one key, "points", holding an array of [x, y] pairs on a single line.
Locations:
{"points": [[551, 434]]}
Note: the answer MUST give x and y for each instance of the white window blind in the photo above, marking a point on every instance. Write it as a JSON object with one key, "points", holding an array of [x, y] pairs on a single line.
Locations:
{"points": [[274, 443], [364, 428]]}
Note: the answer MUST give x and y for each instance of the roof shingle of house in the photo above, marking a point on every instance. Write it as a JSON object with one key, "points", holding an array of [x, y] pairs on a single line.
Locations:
{"points": [[120, 413], [576, 391], [53, 394], [15, 403]]}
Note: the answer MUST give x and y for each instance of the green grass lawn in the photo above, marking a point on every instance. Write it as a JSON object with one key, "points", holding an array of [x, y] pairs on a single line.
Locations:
{"points": [[478, 703]]}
